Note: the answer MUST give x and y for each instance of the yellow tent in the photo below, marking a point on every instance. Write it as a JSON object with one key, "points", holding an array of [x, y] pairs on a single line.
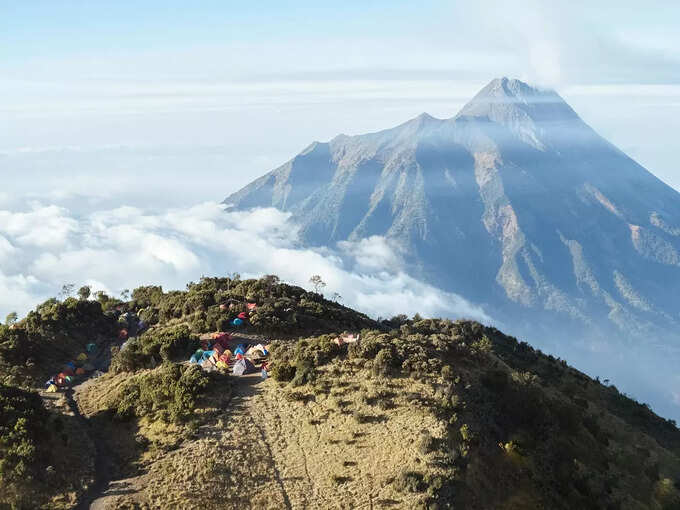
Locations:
{"points": [[52, 388], [222, 364], [82, 357]]}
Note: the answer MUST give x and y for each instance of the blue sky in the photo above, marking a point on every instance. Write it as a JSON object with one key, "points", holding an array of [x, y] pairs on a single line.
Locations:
{"points": [[226, 91]]}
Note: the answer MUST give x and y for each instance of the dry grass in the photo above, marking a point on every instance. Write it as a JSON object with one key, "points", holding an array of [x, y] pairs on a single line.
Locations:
{"points": [[275, 447]]}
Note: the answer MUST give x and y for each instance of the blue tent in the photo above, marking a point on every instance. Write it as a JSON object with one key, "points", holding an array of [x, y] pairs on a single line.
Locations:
{"points": [[71, 365], [237, 322]]}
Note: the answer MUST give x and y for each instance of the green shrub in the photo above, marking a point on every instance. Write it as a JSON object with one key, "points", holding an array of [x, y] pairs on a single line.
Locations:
{"points": [[168, 393], [305, 372], [170, 343], [385, 363], [282, 371], [667, 494], [22, 430]]}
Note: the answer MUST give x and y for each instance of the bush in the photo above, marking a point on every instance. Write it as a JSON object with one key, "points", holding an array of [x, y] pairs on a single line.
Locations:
{"points": [[22, 419], [173, 343], [384, 363], [305, 372], [410, 481], [282, 371], [667, 494], [168, 393], [427, 444]]}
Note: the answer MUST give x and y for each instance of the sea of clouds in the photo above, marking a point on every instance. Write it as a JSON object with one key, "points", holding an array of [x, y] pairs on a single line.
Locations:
{"points": [[63, 238], [46, 245]]}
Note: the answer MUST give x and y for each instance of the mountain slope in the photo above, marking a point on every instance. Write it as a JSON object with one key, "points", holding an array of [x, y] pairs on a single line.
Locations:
{"points": [[418, 413], [515, 204]]}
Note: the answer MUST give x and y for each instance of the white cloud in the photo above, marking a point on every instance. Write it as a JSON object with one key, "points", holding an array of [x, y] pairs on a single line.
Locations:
{"points": [[126, 247]]}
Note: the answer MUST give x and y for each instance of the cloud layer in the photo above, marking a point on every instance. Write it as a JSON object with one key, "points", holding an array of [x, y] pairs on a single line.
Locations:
{"points": [[47, 245]]}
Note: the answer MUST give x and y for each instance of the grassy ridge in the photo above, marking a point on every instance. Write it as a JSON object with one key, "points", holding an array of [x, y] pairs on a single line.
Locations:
{"points": [[515, 428]]}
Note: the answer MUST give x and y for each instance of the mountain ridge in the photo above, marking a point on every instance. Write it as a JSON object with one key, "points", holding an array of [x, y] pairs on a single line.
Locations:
{"points": [[399, 413]]}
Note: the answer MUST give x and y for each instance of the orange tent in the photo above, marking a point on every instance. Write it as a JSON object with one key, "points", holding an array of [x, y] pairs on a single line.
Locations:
{"points": [[80, 371]]}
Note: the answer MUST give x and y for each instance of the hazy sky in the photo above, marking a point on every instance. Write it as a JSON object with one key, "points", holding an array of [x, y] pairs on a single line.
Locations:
{"points": [[178, 102]]}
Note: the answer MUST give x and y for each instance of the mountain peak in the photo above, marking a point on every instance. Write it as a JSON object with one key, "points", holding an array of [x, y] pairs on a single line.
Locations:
{"points": [[524, 109], [504, 94]]}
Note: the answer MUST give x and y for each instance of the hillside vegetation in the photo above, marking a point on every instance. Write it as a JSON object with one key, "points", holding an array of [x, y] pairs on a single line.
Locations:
{"points": [[419, 413]]}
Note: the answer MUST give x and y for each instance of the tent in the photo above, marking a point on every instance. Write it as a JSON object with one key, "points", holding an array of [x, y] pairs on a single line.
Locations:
{"points": [[82, 357], [80, 371], [241, 349], [91, 347], [197, 356], [237, 322], [207, 365], [224, 307], [71, 365], [69, 379], [221, 364], [242, 315], [347, 339], [243, 366], [251, 306], [258, 350], [207, 355], [50, 381], [222, 339], [52, 388]]}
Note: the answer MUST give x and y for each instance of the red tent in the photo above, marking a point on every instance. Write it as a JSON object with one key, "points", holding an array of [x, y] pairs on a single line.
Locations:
{"points": [[242, 315], [123, 334], [223, 339], [251, 306]]}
